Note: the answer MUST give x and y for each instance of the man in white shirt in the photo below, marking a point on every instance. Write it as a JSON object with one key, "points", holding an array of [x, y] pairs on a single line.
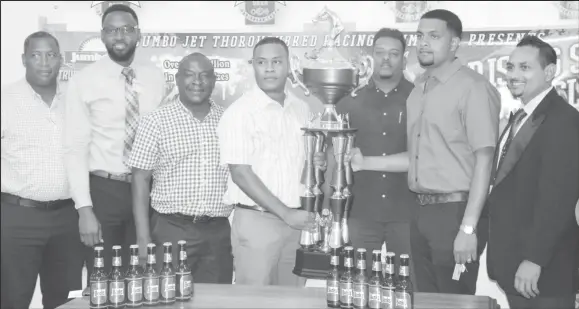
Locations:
{"points": [[103, 106], [39, 223], [262, 143]]}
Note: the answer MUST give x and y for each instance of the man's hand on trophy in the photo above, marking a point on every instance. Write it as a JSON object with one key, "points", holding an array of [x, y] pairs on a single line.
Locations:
{"points": [[356, 159], [300, 219], [320, 160]]}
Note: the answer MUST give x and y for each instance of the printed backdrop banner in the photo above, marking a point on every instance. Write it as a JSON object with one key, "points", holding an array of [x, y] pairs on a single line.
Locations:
{"points": [[484, 51]]}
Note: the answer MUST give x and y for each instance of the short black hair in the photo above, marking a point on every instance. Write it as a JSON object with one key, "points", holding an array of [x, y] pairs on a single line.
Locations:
{"points": [[452, 21], [547, 54], [390, 33], [119, 8], [39, 35], [271, 40]]}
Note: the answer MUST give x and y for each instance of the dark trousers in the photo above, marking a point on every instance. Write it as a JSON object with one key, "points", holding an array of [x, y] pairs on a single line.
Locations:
{"points": [[370, 235], [39, 242], [208, 246], [113, 207], [520, 302], [432, 236]]}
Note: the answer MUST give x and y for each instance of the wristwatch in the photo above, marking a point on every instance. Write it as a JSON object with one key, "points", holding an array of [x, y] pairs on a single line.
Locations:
{"points": [[468, 229]]}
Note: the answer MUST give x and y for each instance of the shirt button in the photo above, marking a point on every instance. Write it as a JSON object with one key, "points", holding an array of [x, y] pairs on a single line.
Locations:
{"points": [[383, 175], [383, 154], [383, 195], [385, 114], [383, 133]]}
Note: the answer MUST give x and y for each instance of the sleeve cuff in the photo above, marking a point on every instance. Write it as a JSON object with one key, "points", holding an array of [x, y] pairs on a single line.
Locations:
{"points": [[83, 202]]}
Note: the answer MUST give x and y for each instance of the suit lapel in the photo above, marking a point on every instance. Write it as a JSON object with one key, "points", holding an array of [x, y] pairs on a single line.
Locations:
{"points": [[522, 139]]}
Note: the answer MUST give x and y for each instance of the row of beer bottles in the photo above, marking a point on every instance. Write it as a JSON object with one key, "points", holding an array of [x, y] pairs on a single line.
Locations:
{"points": [[138, 286], [349, 288]]}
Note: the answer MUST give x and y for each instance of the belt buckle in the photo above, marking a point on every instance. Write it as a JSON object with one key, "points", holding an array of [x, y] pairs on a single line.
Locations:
{"points": [[200, 219]]}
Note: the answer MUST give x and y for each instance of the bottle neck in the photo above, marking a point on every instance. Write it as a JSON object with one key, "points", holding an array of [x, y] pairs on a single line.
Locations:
{"points": [[389, 270], [404, 273], [376, 267]]}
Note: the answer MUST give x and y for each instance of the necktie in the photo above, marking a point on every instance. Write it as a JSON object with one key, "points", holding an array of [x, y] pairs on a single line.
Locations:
{"points": [[514, 123], [132, 112]]}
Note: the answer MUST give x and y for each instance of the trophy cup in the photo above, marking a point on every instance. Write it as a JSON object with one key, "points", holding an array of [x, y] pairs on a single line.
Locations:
{"points": [[328, 76]]}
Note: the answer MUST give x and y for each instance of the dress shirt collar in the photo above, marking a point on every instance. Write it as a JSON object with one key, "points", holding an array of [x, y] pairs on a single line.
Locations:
{"points": [[442, 75], [114, 69], [263, 100], [212, 108], [532, 105], [37, 96]]}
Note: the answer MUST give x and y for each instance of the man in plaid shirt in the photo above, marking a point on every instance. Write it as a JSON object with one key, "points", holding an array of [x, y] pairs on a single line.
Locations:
{"points": [[177, 147]]}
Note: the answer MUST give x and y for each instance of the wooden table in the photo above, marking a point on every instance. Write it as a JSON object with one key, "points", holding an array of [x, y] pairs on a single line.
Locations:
{"points": [[242, 296]]}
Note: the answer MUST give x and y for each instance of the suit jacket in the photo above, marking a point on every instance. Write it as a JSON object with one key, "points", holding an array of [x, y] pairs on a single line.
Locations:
{"points": [[531, 206]]}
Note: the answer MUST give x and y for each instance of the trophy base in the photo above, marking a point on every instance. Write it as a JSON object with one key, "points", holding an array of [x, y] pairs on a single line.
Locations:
{"points": [[312, 264], [344, 130]]}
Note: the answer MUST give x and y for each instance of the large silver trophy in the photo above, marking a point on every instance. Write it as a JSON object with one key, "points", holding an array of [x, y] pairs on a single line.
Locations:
{"points": [[327, 75]]}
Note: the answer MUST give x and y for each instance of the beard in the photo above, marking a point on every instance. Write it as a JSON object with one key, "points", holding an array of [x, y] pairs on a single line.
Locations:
{"points": [[426, 63], [121, 57]]}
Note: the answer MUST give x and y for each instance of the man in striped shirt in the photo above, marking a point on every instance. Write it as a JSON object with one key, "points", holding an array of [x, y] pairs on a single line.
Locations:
{"points": [[262, 144], [177, 147], [39, 222]]}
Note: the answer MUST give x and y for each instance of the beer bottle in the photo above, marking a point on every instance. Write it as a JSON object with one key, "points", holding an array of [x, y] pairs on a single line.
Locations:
{"points": [[404, 291], [98, 281], [167, 276], [183, 276], [375, 282], [333, 280], [134, 280], [360, 280], [347, 280], [389, 283], [151, 279], [116, 281]]}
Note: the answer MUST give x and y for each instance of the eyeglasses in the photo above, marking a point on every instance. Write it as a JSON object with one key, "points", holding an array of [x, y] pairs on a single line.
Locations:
{"points": [[123, 30]]}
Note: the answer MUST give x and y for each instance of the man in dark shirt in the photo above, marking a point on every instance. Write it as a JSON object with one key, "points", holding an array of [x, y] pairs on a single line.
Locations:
{"points": [[383, 204]]}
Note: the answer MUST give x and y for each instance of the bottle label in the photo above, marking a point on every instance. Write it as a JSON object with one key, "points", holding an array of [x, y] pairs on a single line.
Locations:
{"points": [[387, 298], [183, 255], [117, 261], [374, 296], [404, 271], [361, 264], [335, 261], [376, 266], [185, 285], [403, 300], [99, 262], [98, 294], [151, 259], [116, 292], [348, 262], [134, 260], [151, 287], [168, 258], [168, 287], [332, 291], [360, 294], [389, 269], [135, 290], [346, 293]]}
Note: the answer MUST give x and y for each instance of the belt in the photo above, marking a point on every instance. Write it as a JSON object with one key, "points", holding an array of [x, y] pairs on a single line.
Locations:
{"points": [[255, 208], [194, 219], [126, 177], [441, 198], [50, 205]]}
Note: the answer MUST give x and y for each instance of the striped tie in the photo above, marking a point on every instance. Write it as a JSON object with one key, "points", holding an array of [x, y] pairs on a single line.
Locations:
{"points": [[514, 123], [132, 112]]}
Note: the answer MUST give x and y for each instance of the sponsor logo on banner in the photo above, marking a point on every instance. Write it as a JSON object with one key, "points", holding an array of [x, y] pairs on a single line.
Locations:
{"points": [[568, 9], [259, 12], [409, 11]]}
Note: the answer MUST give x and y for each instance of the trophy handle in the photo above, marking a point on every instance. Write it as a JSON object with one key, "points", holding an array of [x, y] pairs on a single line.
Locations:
{"points": [[365, 73], [295, 70]]}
